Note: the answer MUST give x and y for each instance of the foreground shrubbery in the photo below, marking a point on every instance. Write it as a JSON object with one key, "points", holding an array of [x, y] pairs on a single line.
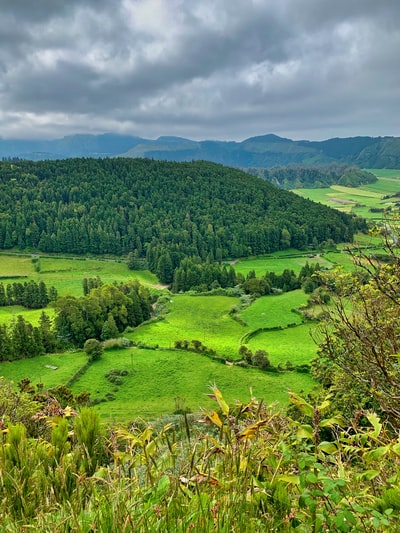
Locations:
{"points": [[240, 468]]}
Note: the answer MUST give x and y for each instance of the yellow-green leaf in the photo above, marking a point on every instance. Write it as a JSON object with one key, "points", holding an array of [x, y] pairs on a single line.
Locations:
{"points": [[290, 478], [329, 422], [215, 419], [375, 422], [328, 447], [250, 431], [396, 448], [377, 454], [305, 432], [306, 408], [221, 402]]}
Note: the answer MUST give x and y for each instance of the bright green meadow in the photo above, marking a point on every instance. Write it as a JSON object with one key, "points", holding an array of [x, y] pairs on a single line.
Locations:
{"points": [[8, 314], [279, 261], [66, 274], [51, 370], [360, 200], [203, 318], [275, 310], [160, 379], [294, 345]]}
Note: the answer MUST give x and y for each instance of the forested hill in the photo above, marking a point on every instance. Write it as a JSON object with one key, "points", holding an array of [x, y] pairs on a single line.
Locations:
{"points": [[311, 177], [261, 152], [117, 206]]}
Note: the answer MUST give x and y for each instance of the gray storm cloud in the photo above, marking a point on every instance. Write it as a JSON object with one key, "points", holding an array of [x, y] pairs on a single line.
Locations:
{"points": [[223, 69]]}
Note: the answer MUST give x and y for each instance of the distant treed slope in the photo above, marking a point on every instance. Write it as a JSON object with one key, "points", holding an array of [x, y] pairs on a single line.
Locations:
{"points": [[71, 146], [120, 205], [263, 151], [271, 150], [311, 177]]}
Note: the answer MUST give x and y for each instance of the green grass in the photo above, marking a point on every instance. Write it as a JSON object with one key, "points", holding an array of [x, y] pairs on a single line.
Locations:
{"points": [[291, 344], [36, 369], [272, 311], [66, 275], [15, 265], [359, 200], [385, 172], [207, 319], [157, 377], [203, 318], [278, 262], [8, 314]]}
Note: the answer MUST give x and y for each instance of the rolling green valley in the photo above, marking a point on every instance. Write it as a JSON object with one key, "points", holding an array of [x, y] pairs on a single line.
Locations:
{"points": [[187, 347]]}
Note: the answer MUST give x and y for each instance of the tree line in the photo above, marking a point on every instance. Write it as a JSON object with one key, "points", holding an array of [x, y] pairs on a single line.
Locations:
{"points": [[101, 314], [29, 294], [193, 275]]}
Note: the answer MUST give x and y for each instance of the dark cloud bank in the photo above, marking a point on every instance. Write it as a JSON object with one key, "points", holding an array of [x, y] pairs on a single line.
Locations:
{"points": [[224, 69]]}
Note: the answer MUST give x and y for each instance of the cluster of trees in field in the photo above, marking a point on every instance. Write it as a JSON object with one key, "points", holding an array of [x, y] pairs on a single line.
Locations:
{"points": [[20, 339], [29, 294], [164, 210], [308, 279], [194, 275], [312, 177], [101, 314]]}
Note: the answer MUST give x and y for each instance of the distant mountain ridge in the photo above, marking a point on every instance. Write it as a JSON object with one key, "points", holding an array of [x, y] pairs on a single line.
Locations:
{"points": [[263, 151]]}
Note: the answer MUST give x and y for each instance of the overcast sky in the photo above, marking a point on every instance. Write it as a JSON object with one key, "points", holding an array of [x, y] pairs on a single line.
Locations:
{"points": [[202, 69]]}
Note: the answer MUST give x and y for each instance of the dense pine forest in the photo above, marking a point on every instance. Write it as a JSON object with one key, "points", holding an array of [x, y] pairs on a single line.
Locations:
{"points": [[165, 211]]}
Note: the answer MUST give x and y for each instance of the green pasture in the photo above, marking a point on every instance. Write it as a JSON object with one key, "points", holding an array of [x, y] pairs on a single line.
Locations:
{"points": [[15, 266], [278, 262], [364, 240], [8, 314], [385, 172], [157, 377], [275, 310], [293, 344], [359, 200], [203, 318], [384, 186], [38, 369], [340, 259], [66, 275], [207, 319], [159, 380]]}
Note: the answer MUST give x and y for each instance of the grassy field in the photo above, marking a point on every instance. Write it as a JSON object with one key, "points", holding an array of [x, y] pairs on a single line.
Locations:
{"points": [[157, 382], [66, 275], [38, 369], [8, 314], [278, 262], [272, 311], [157, 378], [291, 344], [207, 319], [393, 173], [360, 200], [203, 318]]}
